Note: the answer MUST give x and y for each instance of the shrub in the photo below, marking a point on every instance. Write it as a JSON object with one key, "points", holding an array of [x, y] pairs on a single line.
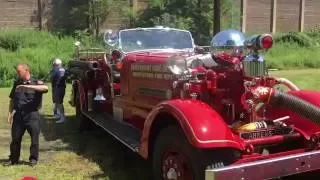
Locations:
{"points": [[36, 48], [301, 39]]}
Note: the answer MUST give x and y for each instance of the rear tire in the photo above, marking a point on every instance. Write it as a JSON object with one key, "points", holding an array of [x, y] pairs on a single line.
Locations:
{"points": [[85, 122]]}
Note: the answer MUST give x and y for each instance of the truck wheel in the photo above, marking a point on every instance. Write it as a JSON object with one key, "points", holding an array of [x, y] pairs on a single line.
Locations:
{"points": [[174, 158], [85, 123]]}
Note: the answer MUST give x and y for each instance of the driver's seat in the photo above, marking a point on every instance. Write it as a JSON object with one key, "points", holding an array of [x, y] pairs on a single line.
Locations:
{"points": [[115, 72]]}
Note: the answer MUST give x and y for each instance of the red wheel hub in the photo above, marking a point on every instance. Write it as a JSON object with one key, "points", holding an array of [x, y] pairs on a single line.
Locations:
{"points": [[175, 166]]}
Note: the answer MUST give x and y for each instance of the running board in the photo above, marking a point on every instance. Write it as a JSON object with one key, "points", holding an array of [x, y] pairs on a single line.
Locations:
{"points": [[124, 132]]}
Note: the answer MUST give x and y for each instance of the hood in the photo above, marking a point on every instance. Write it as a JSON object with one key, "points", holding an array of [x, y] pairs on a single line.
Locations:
{"points": [[155, 56]]}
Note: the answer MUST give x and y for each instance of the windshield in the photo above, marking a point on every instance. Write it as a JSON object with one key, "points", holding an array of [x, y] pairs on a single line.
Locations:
{"points": [[156, 38]]}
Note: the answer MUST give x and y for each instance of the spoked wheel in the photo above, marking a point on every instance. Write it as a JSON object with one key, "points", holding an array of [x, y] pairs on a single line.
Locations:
{"points": [[174, 158], [85, 123], [175, 166]]}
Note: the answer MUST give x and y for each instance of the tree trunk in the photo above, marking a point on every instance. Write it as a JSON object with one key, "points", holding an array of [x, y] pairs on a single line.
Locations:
{"points": [[217, 15], [97, 27]]}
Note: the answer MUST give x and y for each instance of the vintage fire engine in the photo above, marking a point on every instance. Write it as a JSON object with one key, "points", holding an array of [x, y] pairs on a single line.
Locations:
{"points": [[197, 114]]}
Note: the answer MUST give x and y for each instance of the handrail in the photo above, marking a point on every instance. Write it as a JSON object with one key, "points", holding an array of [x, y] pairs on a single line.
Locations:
{"points": [[91, 52]]}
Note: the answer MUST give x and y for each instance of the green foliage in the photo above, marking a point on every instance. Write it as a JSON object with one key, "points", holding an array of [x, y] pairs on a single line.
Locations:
{"points": [[68, 16], [36, 48], [295, 50], [98, 11], [301, 39], [80, 15], [292, 56], [193, 15], [230, 14], [11, 41]]}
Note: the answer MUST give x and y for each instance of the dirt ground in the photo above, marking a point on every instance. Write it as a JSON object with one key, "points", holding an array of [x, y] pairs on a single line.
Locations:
{"points": [[65, 153]]}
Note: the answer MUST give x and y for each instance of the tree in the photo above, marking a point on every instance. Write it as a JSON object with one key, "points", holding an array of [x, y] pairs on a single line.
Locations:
{"points": [[194, 15], [217, 16], [98, 12]]}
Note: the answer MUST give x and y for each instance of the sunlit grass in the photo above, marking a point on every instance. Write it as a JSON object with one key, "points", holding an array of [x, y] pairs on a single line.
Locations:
{"points": [[67, 154]]}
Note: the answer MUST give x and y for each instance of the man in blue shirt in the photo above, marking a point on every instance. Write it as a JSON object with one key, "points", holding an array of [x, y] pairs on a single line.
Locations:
{"points": [[58, 89]]}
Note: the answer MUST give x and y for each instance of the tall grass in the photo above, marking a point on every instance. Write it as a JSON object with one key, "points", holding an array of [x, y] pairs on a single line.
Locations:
{"points": [[36, 48], [295, 50], [292, 56]]}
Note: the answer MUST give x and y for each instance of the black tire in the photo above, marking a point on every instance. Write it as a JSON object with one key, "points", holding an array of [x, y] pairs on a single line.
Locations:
{"points": [[172, 139], [85, 122], [197, 160]]}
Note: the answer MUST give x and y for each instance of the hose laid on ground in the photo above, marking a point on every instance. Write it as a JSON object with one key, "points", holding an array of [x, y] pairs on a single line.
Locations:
{"points": [[85, 65], [288, 83], [295, 104]]}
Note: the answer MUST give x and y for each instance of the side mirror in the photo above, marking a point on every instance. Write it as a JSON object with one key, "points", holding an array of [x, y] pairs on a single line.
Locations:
{"points": [[110, 38], [77, 44], [202, 49]]}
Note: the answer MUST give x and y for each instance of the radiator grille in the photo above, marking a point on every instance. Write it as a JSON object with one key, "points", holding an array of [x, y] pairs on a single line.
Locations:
{"points": [[254, 68]]}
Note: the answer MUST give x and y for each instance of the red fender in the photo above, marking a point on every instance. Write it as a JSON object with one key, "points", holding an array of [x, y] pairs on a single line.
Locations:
{"points": [[202, 125]]}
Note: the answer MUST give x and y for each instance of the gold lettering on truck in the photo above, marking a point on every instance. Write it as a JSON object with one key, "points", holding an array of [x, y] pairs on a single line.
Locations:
{"points": [[148, 71], [159, 76]]}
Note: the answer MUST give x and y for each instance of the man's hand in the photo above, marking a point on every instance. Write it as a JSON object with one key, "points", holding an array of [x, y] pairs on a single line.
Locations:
{"points": [[10, 117], [11, 112]]}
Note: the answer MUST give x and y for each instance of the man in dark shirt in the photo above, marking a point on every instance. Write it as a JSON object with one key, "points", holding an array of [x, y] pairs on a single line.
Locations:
{"points": [[58, 89], [25, 103]]}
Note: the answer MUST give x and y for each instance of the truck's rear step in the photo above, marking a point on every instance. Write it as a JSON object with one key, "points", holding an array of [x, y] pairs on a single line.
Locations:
{"points": [[125, 133]]}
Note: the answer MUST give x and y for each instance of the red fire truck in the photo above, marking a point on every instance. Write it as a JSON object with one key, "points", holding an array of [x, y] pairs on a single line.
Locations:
{"points": [[197, 114]]}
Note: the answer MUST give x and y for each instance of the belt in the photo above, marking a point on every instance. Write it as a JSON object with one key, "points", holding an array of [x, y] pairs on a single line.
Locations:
{"points": [[26, 111]]}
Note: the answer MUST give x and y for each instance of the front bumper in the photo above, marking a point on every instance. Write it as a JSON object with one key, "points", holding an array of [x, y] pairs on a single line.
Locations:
{"points": [[267, 169]]}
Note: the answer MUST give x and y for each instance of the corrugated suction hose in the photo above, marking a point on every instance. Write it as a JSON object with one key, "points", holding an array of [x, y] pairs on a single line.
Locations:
{"points": [[297, 105]]}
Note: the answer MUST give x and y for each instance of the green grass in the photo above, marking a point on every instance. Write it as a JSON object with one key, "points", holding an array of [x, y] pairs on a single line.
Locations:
{"points": [[295, 50], [303, 78], [291, 56], [67, 154]]}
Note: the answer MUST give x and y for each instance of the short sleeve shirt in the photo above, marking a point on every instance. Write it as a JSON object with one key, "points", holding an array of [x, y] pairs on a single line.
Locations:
{"points": [[58, 78], [26, 100]]}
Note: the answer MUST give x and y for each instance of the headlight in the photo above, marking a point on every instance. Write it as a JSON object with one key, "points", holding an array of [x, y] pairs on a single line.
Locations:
{"points": [[177, 64]]}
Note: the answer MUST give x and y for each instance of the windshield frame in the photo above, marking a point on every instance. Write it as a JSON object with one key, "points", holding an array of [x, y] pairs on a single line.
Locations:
{"points": [[161, 49]]}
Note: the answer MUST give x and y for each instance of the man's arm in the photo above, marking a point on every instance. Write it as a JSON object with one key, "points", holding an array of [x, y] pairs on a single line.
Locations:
{"points": [[10, 106], [11, 112], [40, 88], [11, 95]]}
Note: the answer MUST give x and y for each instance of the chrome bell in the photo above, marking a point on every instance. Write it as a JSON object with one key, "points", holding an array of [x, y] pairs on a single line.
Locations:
{"points": [[229, 41], [99, 95]]}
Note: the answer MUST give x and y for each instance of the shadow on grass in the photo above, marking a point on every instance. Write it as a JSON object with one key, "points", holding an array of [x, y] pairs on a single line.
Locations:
{"points": [[116, 161], [4, 161]]}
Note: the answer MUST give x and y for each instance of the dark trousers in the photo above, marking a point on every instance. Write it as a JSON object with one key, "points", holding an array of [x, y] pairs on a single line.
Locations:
{"points": [[22, 122], [53, 100], [59, 93]]}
